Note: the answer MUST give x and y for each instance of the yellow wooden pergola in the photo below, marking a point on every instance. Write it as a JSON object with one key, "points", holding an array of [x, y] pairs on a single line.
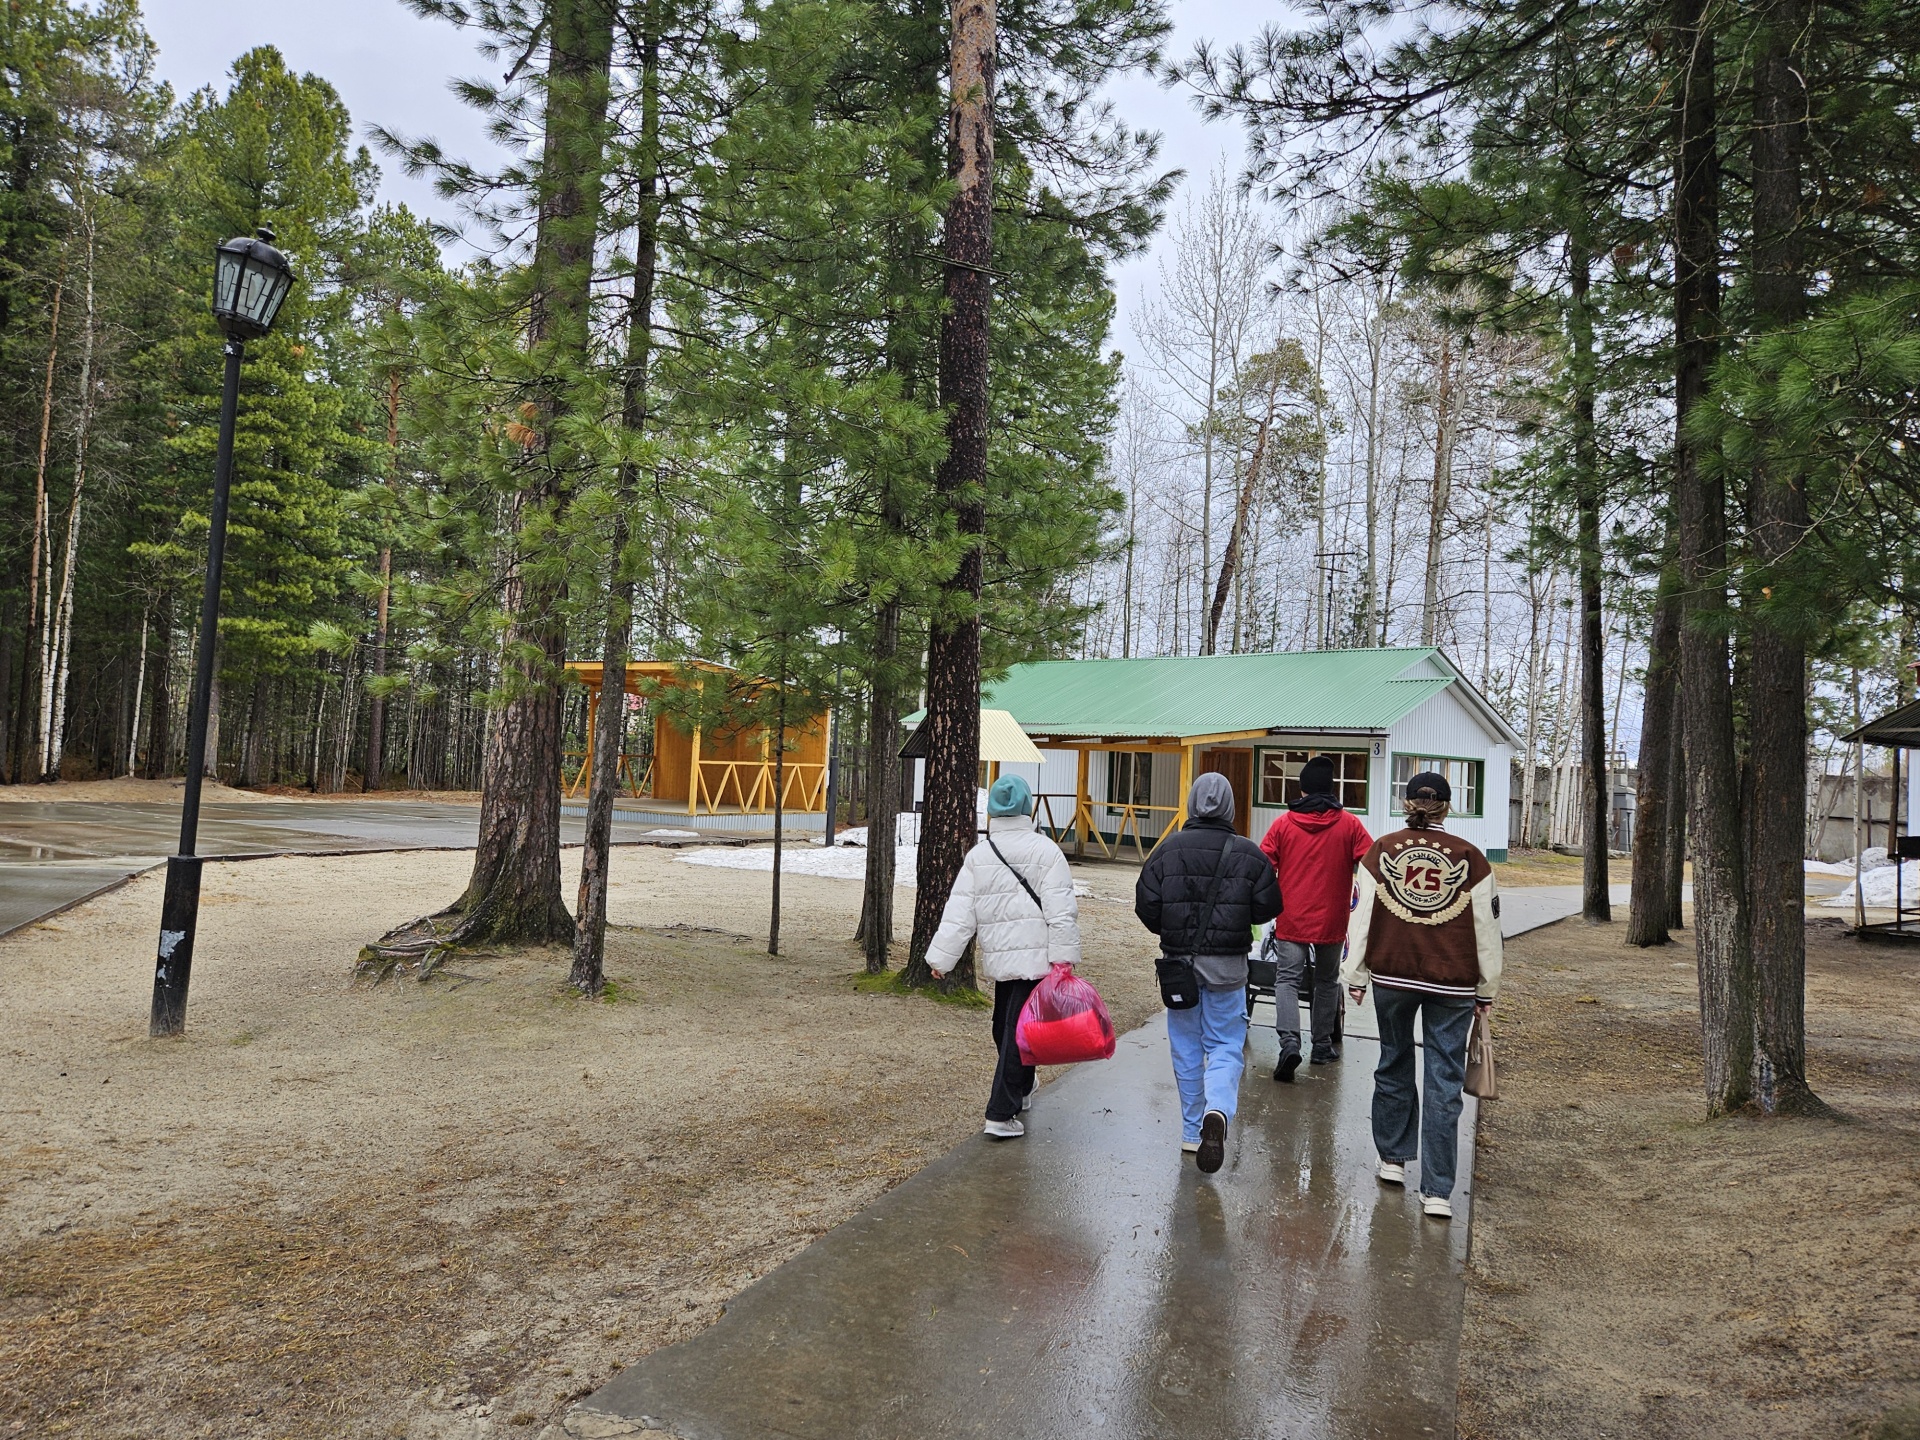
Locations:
{"points": [[708, 773]]}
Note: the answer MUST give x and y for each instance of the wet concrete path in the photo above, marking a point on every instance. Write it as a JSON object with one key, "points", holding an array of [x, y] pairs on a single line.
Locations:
{"points": [[56, 853], [1089, 1281]]}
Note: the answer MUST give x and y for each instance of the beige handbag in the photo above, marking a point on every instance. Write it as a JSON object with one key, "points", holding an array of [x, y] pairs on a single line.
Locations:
{"points": [[1480, 1081]]}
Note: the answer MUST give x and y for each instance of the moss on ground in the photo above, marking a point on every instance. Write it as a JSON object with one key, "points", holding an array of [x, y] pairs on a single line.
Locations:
{"points": [[893, 982]]}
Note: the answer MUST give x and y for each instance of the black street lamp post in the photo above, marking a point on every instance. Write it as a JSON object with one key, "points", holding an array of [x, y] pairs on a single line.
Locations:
{"points": [[250, 281]]}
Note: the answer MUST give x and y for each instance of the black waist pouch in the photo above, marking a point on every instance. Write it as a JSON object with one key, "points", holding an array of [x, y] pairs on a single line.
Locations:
{"points": [[1179, 986]]}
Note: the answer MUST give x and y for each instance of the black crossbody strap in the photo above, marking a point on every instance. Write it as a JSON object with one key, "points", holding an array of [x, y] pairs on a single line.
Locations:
{"points": [[1219, 876], [1032, 894]]}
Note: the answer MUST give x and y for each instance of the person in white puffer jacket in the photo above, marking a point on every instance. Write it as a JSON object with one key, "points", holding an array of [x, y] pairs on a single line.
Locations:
{"points": [[1014, 896]]}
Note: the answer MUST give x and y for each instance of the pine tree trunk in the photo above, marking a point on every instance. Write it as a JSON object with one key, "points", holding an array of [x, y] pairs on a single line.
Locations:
{"points": [[7, 771], [588, 974], [883, 795], [1677, 801], [514, 893], [953, 651], [160, 718], [1559, 815], [1596, 791], [1647, 907], [211, 765], [251, 737], [1777, 719], [590, 926], [1721, 935], [1530, 776], [373, 771], [779, 812]]}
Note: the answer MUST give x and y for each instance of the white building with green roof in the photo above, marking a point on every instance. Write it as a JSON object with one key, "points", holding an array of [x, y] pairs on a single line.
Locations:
{"points": [[1123, 739]]}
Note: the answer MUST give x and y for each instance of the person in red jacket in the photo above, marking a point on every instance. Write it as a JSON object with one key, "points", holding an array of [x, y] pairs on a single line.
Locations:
{"points": [[1313, 848]]}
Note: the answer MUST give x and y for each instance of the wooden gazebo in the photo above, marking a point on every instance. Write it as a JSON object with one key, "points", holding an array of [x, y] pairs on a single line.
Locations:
{"points": [[1898, 732], [707, 773]]}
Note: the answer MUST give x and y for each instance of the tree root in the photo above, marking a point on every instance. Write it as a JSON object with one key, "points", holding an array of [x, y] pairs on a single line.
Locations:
{"points": [[420, 946]]}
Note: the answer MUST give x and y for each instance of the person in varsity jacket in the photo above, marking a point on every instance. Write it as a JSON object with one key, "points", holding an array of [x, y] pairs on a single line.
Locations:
{"points": [[1425, 933]]}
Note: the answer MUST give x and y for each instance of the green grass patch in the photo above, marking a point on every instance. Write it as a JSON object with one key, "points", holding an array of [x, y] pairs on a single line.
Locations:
{"points": [[893, 982], [612, 992]]}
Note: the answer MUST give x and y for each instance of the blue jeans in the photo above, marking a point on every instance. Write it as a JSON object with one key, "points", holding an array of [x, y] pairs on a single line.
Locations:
{"points": [[1209, 1043], [1398, 1116]]}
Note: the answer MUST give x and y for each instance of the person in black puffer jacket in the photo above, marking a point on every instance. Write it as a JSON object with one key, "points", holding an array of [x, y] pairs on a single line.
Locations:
{"points": [[1202, 891]]}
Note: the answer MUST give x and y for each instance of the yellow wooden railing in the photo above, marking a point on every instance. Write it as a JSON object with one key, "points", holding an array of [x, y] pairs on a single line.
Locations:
{"points": [[1082, 813], [583, 772], [748, 785]]}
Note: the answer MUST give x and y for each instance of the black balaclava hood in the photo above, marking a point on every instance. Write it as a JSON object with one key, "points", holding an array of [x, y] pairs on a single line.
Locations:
{"points": [[1316, 788]]}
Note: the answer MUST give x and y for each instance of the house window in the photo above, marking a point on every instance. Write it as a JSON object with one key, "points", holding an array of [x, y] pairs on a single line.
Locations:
{"points": [[1129, 777], [1280, 776], [1463, 775]]}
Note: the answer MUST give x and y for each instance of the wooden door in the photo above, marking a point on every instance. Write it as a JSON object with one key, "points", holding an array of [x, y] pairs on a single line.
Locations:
{"points": [[1237, 766]]}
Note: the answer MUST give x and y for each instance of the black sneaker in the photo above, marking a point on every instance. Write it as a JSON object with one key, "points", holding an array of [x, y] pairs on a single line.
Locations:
{"points": [[1213, 1143], [1289, 1062], [1325, 1057]]}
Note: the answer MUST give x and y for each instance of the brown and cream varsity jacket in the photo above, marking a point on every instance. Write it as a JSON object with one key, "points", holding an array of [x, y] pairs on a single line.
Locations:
{"points": [[1426, 917]]}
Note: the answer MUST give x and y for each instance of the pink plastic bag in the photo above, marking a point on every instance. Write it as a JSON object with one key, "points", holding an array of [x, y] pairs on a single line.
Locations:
{"points": [[1063, 1022]]}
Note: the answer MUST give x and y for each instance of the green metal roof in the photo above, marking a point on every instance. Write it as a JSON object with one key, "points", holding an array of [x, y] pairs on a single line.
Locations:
{"points": [[1182, 695]]}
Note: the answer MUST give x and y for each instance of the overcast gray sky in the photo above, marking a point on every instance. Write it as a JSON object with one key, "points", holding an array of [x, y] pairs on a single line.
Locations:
{"points": [[392, 68]]}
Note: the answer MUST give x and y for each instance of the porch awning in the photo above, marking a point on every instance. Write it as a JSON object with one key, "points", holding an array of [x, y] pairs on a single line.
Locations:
{"points": [[1901, 729], [1001, 739]]}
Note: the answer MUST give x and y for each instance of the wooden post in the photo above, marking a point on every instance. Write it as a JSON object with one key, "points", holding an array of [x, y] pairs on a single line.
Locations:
{"points": [[693, 773], [1893, 843], [1186, 783], [585, 777], [1080, 800]]}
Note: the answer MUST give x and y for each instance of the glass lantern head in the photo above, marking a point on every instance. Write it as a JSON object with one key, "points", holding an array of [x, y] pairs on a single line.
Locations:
{"points": [[250, 283]]}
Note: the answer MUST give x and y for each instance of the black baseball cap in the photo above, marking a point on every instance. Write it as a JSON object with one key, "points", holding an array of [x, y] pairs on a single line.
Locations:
{"points": [[1429, 785]]}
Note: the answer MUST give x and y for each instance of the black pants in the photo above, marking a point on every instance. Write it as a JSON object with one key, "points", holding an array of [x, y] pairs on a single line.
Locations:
{"points": [[1308, 972], [1012, 1081]]}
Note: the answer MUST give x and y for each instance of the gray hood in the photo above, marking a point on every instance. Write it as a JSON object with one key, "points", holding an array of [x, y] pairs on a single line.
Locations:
{"points": [[1211, 799]]}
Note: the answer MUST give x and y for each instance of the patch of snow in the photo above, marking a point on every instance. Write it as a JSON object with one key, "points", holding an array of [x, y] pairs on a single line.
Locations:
{"points": [[695, 835], [1821, 867], [1877, 886], [834, 864], [1873, 858], [906, 829]]}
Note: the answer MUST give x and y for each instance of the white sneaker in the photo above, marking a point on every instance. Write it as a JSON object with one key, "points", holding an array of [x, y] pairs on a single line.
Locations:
{"points": [[1190, 1147], [1004, 1129], [1438, 1206], [1392, 1172], [1026, 1103]]}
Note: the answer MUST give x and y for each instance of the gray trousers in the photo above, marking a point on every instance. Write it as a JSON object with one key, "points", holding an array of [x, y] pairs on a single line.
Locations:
{"points": [[1307, 972]]}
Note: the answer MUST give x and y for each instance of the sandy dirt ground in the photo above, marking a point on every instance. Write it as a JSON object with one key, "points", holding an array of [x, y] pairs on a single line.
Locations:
{"points": [[441, 1210], [1641, 1271], [128, 788], [1546, 867]]}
